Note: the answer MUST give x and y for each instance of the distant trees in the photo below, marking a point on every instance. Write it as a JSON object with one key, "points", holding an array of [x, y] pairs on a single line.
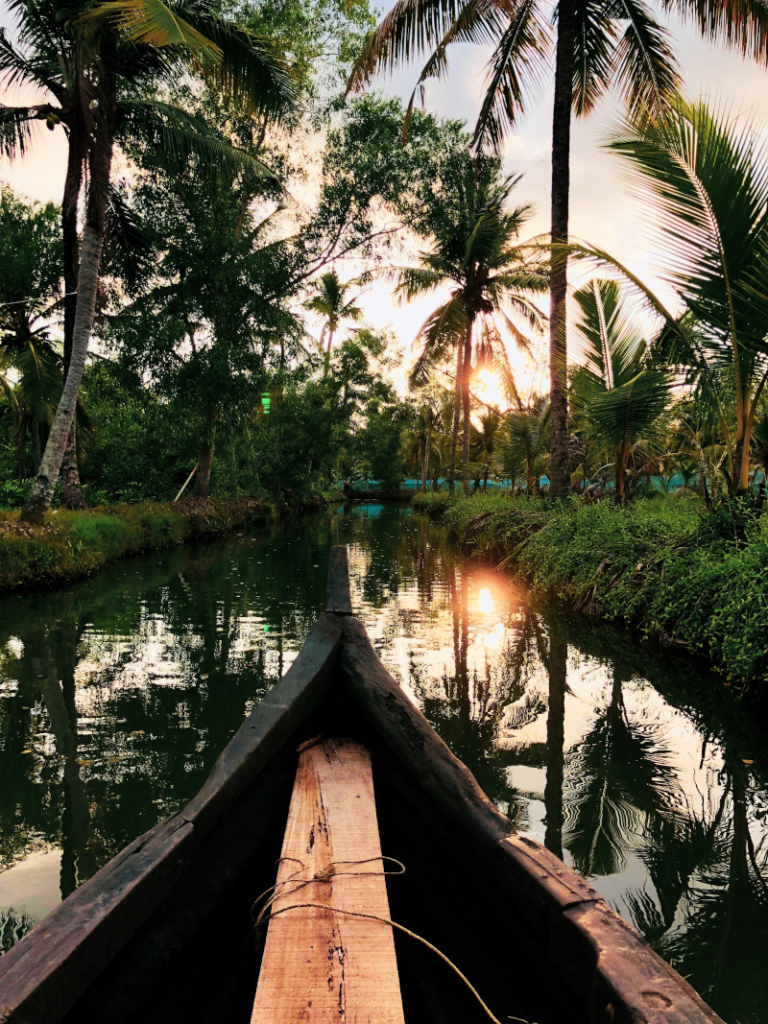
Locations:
{"points": [[475, 250], [331, 302]]}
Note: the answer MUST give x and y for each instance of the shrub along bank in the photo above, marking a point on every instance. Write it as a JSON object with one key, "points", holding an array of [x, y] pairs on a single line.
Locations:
{"points": [[72, 544], [666, 565]]}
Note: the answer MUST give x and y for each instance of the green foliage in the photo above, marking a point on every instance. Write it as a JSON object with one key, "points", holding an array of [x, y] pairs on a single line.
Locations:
{"points": [[73, 544], [432, 503]]}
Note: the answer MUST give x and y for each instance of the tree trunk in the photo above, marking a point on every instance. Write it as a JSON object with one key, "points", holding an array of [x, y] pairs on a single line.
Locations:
{"points": [[73, 495], [37, 455], [456, 416], [424, 460], [100, 163], [205, 459], [559, 474], [328, 354], [620, 460], [21, 473], [70, 476], [467, 371]]}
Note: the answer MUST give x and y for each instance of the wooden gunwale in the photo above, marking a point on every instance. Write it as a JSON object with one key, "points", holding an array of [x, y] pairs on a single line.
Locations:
{"points": [[605, 963]]}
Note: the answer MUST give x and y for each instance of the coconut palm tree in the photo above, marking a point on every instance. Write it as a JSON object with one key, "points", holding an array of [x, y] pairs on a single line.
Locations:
{"points": [[598, 45], [523, 442], [332, 303], [484, 443], [619, 397], [492, 278], [708, 177], [93, 62]]}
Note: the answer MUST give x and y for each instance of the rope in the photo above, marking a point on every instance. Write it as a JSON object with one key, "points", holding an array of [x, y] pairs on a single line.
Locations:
{"points": [[268, 912]]}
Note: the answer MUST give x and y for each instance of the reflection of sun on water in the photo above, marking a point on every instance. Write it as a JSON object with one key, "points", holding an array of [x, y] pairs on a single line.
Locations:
{"points": [[485, 601]]}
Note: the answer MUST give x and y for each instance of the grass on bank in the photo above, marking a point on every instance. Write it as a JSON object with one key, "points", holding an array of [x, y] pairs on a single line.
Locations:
{"points": [[666, 565], [72, 544]]}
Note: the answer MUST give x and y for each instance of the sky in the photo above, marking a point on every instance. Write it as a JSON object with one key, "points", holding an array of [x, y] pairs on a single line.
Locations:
{"points": [[601, 211]]}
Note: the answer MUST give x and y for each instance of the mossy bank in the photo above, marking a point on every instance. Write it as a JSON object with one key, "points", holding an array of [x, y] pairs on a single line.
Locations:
{"points": [[68, 545], [693, 579]]}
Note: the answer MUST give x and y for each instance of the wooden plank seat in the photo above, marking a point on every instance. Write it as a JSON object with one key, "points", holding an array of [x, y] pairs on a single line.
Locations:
{"points": [[320, 965]]}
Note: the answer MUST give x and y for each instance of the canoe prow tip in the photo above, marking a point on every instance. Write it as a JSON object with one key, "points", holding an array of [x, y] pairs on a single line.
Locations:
{"points": [[339, 601]]}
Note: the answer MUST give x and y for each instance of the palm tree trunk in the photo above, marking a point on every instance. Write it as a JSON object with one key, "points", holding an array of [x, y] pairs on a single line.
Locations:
{"points": [[424, 459], [467, 371], [70, 475], [100, 163], [73, 495], [328, 354], [22, 453], [456, 416], [205, 458], [559, 474], [620, 460]]}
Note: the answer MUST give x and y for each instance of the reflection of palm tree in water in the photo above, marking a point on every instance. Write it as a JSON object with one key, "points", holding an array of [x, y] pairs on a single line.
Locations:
{"points": [[557, 668], [620, 772], [714, 869], [54, 664]]}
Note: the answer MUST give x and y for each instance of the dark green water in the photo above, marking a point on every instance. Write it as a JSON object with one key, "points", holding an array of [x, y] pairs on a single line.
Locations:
{"points": [[117, 694]]}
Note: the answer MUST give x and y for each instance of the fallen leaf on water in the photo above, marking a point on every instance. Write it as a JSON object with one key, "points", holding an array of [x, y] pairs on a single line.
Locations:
{"points": [[137, 732], [748, 760], [114, 760], [27, 751], [83, 761]]}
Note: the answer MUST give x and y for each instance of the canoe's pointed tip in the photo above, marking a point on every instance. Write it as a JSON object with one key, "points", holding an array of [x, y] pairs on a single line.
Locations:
{"points": [[339, 601]]}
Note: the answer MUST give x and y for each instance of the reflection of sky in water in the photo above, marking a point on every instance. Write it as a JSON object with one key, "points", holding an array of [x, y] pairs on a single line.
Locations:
{"points": [[117, 695]]}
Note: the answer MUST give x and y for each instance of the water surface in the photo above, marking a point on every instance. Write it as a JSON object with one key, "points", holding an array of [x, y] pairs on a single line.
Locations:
{"points": [[640, 770]]}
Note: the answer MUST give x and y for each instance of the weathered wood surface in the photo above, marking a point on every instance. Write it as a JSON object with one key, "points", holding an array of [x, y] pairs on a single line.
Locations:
{"points": [[45, 974], [320, 965], [606, 963], [339, 600]]}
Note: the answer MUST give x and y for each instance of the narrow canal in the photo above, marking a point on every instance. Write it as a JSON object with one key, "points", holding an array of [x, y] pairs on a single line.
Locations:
{"points": [[117, 694]]}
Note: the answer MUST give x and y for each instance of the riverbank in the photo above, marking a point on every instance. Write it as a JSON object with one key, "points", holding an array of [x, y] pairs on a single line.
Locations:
{"points": [[70, 545], [665, 566]]}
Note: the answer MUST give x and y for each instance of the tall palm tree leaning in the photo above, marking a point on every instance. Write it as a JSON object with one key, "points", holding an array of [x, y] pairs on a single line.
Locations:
{"points": [[491, 275], [708, 176], [332, 303], [93, 66], [598, 45]]}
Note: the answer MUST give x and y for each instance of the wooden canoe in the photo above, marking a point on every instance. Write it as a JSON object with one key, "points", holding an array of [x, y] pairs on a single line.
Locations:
{"points": [[165, 930]]}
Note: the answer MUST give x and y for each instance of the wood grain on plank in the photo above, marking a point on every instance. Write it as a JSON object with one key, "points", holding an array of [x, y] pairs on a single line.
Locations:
{"points": [[319, 965]]}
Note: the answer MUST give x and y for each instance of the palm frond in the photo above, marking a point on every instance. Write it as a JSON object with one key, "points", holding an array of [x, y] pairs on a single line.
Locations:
{"points": [[741, 24], [644, 70], [18, 128], [596, 33], [514, 71], [182, 135], [412, 27]]}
